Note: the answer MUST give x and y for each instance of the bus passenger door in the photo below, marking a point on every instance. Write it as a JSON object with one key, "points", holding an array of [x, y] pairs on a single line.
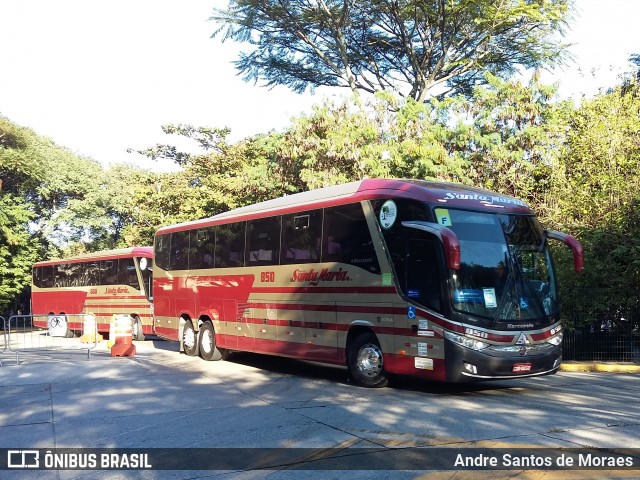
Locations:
{"points": [[321, 332]]}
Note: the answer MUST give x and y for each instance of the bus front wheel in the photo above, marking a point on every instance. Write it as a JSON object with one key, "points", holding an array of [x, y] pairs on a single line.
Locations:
{"points": [[189, 339], [365, 361]]}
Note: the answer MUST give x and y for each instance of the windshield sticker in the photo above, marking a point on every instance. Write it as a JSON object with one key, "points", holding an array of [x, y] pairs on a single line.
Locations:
{"points": [[388, 214], [413, 293], [490, 300], [524, 303], [442, 214]]}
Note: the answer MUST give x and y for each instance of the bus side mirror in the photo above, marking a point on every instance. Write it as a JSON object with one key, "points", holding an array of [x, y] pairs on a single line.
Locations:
{"points": [[573, 244], [449, 240]]}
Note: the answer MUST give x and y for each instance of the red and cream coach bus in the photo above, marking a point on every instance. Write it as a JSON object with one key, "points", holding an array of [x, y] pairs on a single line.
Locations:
{"points": [[434, 280], [101, 283]]}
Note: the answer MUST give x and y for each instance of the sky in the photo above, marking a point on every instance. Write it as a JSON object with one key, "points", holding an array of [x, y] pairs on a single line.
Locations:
{"points": [[102, 77]]}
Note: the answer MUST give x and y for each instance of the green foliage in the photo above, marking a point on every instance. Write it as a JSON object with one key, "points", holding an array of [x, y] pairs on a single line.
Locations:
{"points": [[383, 45], [578, 167], [17, 251], [512, 134], [601, 199]]}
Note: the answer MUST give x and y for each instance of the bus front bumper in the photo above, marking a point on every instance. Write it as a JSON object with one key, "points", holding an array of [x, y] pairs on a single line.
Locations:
{"points": [[466, 365]]}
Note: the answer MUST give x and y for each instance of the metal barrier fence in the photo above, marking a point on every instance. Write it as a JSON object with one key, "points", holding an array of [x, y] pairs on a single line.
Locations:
{"points": [[601, 327], [591, 346], [46, 333]]}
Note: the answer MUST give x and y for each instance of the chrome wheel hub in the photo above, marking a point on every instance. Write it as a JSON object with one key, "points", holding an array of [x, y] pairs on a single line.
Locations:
{"points": [[369, 360]]}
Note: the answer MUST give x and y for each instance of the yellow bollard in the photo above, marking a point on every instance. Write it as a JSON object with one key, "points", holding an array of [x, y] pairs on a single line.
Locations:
{"points": [[112, 332], [89, 330]]}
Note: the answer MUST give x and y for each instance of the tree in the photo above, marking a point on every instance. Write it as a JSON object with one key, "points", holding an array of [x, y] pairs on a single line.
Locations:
{"points": [[386, 137], [512, 135], [17, 251], [407, 45]]}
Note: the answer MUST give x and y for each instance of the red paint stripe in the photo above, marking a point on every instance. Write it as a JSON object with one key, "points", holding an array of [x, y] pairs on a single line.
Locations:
{"points": [[112, 306], [405, 365], [109, 314], [117, 297], [329, 308], [325, 290]]}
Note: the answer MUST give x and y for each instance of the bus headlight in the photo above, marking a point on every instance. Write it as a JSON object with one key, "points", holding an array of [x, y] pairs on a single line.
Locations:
{"points": [[557, 340], [465, 341]]}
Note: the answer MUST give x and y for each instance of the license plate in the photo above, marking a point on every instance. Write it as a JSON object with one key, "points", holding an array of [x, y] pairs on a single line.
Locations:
{"points": [[521, 367]]}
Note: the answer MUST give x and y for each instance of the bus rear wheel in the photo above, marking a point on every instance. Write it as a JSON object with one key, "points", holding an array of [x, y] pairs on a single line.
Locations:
{"points": [[365, 361], [207, 342], [136, 328], [189, 339]]}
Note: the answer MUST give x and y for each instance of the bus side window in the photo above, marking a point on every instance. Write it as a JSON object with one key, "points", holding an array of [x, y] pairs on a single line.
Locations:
{"points": [[347, 239], [301, 237], [162, 251], [109, 272], [230, 245], [44, 277], [74, 274], [202, 242], [263, 241], [179, 257], [60, 275], [422, 272], [92, 273], [127, 274]]}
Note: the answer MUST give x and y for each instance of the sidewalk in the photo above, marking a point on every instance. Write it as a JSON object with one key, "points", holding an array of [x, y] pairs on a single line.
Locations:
{"points": [[604, 367]]}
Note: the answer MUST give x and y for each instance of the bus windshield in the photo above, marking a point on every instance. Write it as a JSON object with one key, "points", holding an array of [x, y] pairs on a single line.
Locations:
{"points": [[506, 272]]}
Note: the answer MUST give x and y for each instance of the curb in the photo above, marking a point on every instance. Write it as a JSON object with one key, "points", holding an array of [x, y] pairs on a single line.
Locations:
{"points": [[599, 367]]}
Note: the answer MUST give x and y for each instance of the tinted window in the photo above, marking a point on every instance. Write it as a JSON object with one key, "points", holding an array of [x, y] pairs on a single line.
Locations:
{"points": [[43, 276], [263, 241], [347, 239], [75, 274], [127, 274], [92, 273], [179, 257], [147, 276], [416, 261], [62, 275], [162, 251], [203, 243], [230, 241], [108, 272], [301, 237]]}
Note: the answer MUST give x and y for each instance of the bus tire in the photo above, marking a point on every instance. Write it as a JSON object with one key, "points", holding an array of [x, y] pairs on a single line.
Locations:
{"points": [[207, 343], [365, 361], [136, 328], [189, 339]]}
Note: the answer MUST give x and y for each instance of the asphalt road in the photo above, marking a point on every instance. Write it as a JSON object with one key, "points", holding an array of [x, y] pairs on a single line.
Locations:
{"points": [[162, 399]]}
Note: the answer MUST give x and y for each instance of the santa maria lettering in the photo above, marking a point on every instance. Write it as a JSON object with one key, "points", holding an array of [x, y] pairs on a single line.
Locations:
{"points": [[116, 290], [314, 277], [493, 199]]}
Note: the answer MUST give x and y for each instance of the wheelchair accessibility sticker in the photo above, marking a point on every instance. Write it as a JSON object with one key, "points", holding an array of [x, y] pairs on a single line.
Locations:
{"points": [[411, 312]]}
